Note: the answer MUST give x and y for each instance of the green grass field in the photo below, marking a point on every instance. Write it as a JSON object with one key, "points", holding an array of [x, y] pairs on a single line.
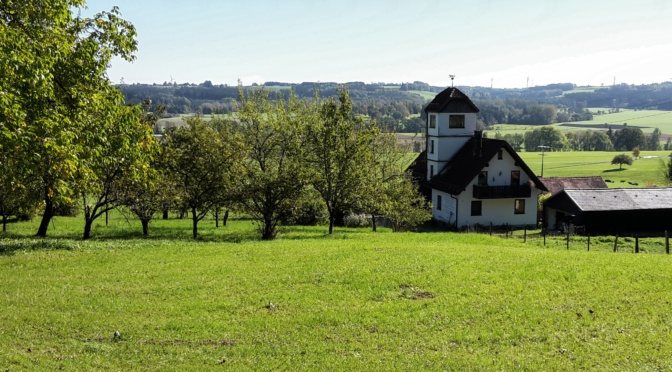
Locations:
{"points": [[355, 300], [647, 120], [645, 171]]}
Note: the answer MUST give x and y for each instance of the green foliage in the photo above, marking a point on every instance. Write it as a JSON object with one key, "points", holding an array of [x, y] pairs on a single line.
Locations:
{"points": [[338, 149], [52, 84], [621, 159], [204, 160], [628, 138], [666, 170], [274, 170], [545, 136]]}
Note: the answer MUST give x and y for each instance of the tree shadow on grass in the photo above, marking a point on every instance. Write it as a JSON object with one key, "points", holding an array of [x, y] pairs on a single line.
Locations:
{"points": [[9, 245], [613, 170]]}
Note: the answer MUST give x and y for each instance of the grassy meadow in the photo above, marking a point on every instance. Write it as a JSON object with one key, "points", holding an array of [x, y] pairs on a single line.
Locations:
{"points": [[645, 171], [646, 120], [309, 301]]}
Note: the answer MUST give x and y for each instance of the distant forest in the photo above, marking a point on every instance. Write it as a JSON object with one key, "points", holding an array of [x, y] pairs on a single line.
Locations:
{"points": [[399, 107]]}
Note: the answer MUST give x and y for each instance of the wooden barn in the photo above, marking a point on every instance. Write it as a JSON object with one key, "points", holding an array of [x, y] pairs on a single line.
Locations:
{"points": [[611, 211]]}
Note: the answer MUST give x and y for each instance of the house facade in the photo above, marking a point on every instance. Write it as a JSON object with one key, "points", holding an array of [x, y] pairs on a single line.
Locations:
{"points": [[472, 179]]}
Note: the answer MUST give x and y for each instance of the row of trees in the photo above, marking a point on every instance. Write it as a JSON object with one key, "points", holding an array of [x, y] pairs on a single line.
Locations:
{"points": [[68, 139], [624, 139], [275, 154]]}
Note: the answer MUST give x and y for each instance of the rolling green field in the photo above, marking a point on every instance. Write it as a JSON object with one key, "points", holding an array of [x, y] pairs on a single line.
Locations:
{"points": [[645, 171], [647, 120], [355, 300]]}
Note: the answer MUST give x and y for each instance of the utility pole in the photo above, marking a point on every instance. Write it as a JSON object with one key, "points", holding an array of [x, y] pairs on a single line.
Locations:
{"points": [[542, 158]]}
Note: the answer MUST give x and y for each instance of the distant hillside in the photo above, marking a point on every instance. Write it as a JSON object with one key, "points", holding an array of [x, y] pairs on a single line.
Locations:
{"points": [[399, 106]]}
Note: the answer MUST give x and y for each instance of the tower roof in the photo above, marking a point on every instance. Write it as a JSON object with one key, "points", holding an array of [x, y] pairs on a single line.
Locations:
{"points": [[451, 100]]}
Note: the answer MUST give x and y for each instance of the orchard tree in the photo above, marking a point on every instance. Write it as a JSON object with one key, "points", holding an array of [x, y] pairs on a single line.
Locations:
{"points": [[205, 164], [388, 190], [404, 206], [53, 73], [118, 153], [275, 174], [339, 147], [622, 159]]}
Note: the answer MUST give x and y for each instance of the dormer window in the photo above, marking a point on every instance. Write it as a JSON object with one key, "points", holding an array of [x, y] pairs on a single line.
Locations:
{"points": [[432, 120], [456, 121]]}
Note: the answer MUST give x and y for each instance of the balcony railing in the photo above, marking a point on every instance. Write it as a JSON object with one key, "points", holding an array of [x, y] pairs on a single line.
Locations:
{"points": [[502, 192]]}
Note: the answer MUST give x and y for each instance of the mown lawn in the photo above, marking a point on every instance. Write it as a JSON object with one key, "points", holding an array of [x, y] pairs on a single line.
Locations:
{"points": [[355, 300]]}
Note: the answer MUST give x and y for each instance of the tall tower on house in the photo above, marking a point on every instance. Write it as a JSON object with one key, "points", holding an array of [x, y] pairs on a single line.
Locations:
{"points": [[451, 122]]}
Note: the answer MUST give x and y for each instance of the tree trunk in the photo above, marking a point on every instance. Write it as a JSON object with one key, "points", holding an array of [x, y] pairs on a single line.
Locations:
{"points": [[226, 217], [268, 230], [217, 217], [4, 223], [331, 223], [194, 219], [145, 226], [46, 218], [87, 228], [373, 222], [165, 214]]}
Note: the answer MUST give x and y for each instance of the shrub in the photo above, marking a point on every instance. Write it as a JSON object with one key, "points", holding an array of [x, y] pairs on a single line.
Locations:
{"points": [[357, 220]]}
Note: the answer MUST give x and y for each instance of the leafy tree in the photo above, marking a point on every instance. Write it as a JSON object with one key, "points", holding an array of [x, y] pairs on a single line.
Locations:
{"points": [[621, 159], [338, 149], [54, 69], [545, 136], [275, 175], [405, 206], [118, 153], [205, 165], [653, 140], [635, 152], [628, 138]]}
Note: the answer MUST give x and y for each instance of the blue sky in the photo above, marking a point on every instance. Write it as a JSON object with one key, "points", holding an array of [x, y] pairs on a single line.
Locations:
{"points": [[509, 43]]}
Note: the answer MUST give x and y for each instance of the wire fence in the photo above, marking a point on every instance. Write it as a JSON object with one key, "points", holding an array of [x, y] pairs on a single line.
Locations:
{"points": [[575, 238]]}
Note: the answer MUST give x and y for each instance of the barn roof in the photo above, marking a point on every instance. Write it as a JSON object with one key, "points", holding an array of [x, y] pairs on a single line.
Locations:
{"points": [[470, 160], [451, 100], [557, 184], [593, 200]]}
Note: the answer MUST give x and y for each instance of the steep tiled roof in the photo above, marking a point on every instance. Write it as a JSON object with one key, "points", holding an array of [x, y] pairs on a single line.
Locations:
{"points": [[451, 100], [557, 184], [591, 200], [468, 162]]}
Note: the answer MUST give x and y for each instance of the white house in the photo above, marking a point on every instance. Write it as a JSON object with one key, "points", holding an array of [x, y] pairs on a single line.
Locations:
{"points": [[471, 179]]}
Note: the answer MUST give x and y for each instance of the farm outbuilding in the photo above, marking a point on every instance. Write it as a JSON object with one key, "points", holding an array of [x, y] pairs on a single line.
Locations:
{"points": [[611, 211], [557, 184]]}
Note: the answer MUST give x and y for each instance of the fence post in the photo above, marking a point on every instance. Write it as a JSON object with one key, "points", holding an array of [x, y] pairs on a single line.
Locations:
{"points": [[567, 237], [588, 242], [615, 243], [636, 243], [667, 243], [544, 233], [525, 234], [490, 228]]}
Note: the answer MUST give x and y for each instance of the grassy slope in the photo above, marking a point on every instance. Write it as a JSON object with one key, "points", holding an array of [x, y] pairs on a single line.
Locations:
{"points": [[644, 171], [649, 119], [356, 300]]}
